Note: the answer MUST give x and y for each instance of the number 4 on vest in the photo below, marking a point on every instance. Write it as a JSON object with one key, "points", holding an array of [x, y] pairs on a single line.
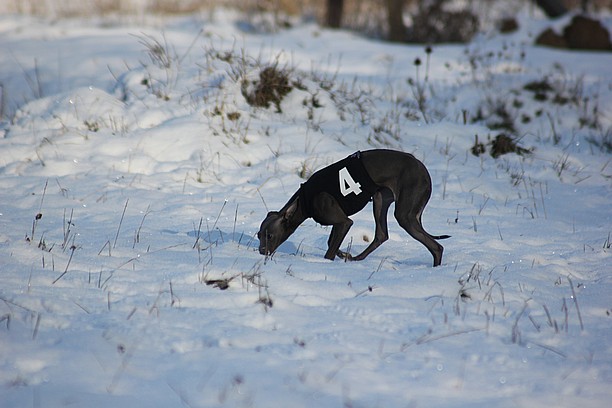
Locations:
{"points": [[347, 184]]}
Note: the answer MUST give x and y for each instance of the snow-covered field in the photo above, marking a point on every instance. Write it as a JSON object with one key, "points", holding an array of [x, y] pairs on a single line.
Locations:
{"points": [[134, 175]]}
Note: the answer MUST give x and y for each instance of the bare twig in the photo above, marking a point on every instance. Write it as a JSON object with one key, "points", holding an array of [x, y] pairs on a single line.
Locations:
{"points": [[6, 317], [39, 215], [137, 234], [199, 230], [67, 228], [575, 298], [377, 269], [549, 348], [219, 215], [72, 248], [428, 338], [235, 219], [542, 199], [36, 326], [120, 222], [107, 243], [516, 333], [501, 237]]}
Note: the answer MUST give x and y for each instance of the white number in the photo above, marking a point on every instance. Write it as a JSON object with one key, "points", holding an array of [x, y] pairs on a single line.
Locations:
{"points": [[347, 184]]}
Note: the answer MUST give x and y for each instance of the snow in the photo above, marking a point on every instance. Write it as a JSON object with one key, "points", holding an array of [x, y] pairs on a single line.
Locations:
{"points": [[131, 191]]}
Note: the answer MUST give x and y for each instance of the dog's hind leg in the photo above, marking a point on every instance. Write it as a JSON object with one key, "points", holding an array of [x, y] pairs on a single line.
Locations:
{"points": [[382, 199], [408, 214]]}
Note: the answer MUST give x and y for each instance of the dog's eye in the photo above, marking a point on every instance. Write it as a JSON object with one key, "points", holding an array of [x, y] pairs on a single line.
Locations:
{"points": [[268, 236]]}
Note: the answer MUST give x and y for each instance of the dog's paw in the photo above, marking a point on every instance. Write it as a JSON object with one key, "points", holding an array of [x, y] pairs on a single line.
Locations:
{"points": [[345, 255]]}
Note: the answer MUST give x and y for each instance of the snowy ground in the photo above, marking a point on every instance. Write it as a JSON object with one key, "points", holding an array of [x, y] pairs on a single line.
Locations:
{"points": [[134, 176]]}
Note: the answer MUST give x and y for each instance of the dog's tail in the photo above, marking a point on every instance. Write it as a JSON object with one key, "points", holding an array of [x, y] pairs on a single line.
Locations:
{"points": [[440, 236]]}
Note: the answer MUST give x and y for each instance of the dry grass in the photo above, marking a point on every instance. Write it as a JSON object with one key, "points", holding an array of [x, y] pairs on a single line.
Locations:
{"points": [[69, 8], [366, 15]]}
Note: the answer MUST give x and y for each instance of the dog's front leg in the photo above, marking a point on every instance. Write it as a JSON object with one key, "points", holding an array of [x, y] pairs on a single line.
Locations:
{"points": [[336, 237], [327, 211]]}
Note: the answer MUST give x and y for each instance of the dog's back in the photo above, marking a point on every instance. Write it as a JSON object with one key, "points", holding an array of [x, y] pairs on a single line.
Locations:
{"points": [[397, 170]]}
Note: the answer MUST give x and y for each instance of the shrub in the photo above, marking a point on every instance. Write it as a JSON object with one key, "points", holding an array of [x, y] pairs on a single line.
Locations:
{"points": [[434, 24], [503, 144], [273, 85], [500, 145]]}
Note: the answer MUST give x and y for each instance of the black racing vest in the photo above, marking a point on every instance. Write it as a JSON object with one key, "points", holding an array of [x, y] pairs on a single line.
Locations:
{"points": [[347, 181]]}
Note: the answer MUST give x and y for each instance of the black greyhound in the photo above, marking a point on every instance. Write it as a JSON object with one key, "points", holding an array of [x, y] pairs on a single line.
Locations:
{"points": [[335, 192]]}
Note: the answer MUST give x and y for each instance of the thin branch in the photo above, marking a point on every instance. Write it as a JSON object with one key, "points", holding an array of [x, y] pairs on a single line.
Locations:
{"points": [[120, 222], [575, 298]]}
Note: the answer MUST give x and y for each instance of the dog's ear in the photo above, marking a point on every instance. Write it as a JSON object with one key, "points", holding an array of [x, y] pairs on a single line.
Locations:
{"points": [[271, 213], [290, 210]]}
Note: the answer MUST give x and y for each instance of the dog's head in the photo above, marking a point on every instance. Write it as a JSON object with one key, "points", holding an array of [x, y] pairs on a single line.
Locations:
{"points": [[275, 229]]}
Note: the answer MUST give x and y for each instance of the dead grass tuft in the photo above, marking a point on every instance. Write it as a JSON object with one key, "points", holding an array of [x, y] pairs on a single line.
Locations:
{"points": [[271, 87]]}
